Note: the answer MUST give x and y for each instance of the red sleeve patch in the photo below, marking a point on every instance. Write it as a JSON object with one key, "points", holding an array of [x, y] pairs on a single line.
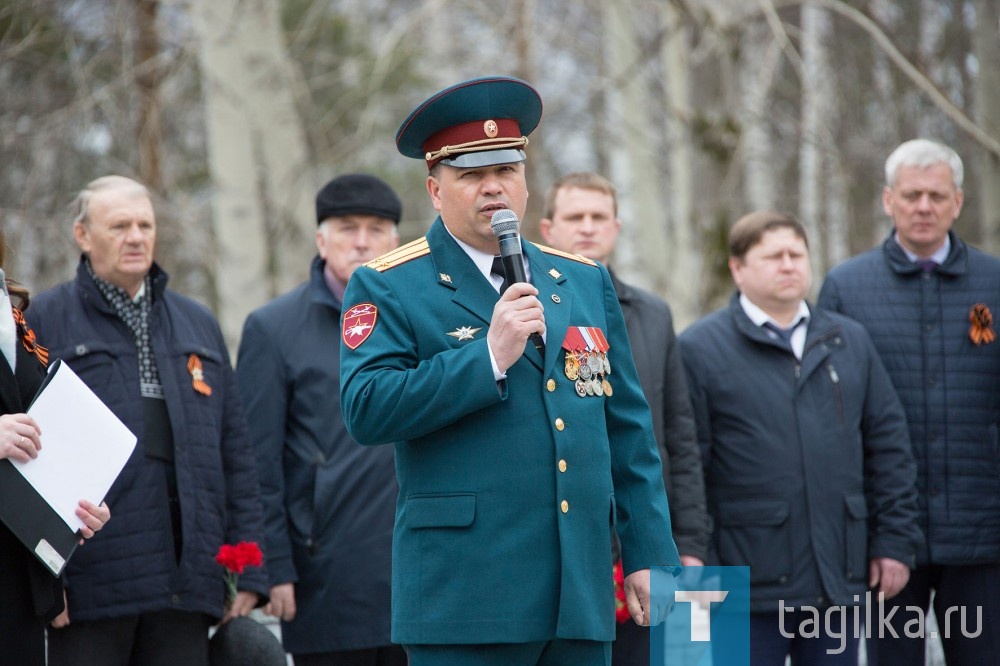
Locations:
{"points": [[358, 324]]}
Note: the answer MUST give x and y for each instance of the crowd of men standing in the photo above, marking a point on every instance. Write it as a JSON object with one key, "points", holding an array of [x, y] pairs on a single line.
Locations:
{"points": [[437, 456]]}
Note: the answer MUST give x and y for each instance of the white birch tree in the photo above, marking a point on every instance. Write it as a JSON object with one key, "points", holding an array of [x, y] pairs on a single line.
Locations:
{"points": [[815, 104], [635, 170], [986, 46], [261, 177], [683, 252]]}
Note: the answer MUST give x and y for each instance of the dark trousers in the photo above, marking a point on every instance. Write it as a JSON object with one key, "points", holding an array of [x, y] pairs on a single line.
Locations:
{"points": [[631, 646], [837, 646], [547, 653], [390, 655], [967, 641], [165, 638]]}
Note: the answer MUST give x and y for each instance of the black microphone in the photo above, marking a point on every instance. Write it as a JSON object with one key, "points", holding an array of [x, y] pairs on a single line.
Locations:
{"points": [[505, 227]]}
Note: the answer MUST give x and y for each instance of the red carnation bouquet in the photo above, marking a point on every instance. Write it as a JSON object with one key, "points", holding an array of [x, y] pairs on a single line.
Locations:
{"points": [[235, 559], [621, 608]]}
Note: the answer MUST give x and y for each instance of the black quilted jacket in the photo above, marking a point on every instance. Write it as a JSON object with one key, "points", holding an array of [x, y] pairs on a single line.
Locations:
{"points": [[949, 386], [129, 567]]}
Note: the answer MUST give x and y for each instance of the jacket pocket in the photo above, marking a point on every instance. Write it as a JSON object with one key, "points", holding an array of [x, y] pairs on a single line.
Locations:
{"points": [[756, 533], [856, 537], [96, 363], [425, 511]]}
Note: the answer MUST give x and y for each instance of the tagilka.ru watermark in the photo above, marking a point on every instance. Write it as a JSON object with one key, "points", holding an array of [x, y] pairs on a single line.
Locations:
{"points": [[872, 619], [707, 618]]}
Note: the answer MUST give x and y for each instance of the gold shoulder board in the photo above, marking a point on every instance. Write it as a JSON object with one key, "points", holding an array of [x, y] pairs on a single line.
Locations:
{"points": [[401, 255], [565, 255]]}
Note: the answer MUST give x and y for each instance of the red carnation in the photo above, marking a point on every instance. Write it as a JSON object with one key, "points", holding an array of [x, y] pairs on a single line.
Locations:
{"points": [[621, 608], [235, 559]]}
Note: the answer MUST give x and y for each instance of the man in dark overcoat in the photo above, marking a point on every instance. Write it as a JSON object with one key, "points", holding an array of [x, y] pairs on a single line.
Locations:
{"points": [[328, 502]]}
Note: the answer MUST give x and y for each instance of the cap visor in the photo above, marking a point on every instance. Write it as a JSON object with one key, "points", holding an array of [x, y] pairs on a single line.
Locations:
{"points": [[485, 158]]}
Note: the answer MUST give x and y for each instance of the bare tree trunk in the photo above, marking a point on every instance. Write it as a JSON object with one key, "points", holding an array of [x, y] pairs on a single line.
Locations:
{"points": [[263, 181], [683, 252], [524, 68], [635, 167], [837, 212], [757, 74], [986, 45], [815, 25], [148, 79]]}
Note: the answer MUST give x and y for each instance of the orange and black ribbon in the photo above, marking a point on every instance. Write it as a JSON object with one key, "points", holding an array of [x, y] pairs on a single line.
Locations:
{"points": [[28, 338], [198, 375], [981, 330]]}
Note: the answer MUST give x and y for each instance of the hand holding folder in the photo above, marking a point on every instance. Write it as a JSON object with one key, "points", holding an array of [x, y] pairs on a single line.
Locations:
{"points": [[84, 448]]}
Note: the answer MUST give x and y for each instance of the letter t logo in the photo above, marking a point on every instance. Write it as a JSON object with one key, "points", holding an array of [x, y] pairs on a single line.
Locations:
{"points": [[701, 604]]}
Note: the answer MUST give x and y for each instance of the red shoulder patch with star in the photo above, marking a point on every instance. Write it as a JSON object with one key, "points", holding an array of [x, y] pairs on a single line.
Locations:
{"points": [[358, 324]]}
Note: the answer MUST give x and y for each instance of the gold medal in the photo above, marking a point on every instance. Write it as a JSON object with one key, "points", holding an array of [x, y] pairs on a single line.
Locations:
{"points": [[606, 385], [572, 367]]}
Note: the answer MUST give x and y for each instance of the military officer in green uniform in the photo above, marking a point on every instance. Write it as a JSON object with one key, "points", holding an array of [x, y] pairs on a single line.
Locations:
{"points": [[514, 463]]}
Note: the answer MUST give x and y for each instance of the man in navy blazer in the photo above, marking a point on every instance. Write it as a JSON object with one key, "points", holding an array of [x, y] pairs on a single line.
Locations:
{"points": [[328, 503], [513, 462]]}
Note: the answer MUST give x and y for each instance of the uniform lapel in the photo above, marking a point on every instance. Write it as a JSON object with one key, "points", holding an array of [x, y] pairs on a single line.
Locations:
{"points": [[557, 300], [458, 273]]}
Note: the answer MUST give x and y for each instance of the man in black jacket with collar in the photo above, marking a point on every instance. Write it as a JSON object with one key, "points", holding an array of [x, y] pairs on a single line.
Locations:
{"points": [[810, 478], [581, 216]]}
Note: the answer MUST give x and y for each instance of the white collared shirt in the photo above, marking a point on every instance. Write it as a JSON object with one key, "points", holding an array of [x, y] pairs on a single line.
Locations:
{"points": [[484, 262], [938, 257], [8, 329], [759, 318]]}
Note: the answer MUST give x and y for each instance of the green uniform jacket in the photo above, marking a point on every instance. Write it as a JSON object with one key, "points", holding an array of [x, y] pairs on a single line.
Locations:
{"points": [[507, 489]]}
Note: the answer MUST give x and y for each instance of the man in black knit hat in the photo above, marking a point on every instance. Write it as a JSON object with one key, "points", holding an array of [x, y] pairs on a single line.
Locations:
{"points": [[328, 502]]}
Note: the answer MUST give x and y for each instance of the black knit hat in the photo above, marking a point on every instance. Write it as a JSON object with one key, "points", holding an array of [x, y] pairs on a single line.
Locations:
{"points": [[357, 194]]}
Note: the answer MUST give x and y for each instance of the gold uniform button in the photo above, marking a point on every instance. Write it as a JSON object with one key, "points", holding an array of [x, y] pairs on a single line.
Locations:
{"points": [[560, 424], [564, 506], [551, 385], [562, 466]]}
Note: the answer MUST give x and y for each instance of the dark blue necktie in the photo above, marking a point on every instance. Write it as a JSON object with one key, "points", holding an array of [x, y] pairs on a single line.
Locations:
{"points": [[784, 334], [498, 270], [926, 265]]}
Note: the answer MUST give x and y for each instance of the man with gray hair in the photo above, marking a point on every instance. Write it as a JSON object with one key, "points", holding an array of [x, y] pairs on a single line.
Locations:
{"points": [[147, 588], [329, 503], [927, 299]]}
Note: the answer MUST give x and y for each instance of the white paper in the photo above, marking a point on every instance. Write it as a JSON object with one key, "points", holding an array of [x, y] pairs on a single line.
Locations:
{"points": [[84, 445]]}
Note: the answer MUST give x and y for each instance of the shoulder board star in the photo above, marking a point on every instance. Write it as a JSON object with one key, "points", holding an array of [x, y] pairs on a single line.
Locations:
{"points": [[464, 332], [565, 255], [401, 255]]}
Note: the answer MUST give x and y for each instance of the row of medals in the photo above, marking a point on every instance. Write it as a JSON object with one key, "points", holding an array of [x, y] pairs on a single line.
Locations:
{"points": [[588, 370]]}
